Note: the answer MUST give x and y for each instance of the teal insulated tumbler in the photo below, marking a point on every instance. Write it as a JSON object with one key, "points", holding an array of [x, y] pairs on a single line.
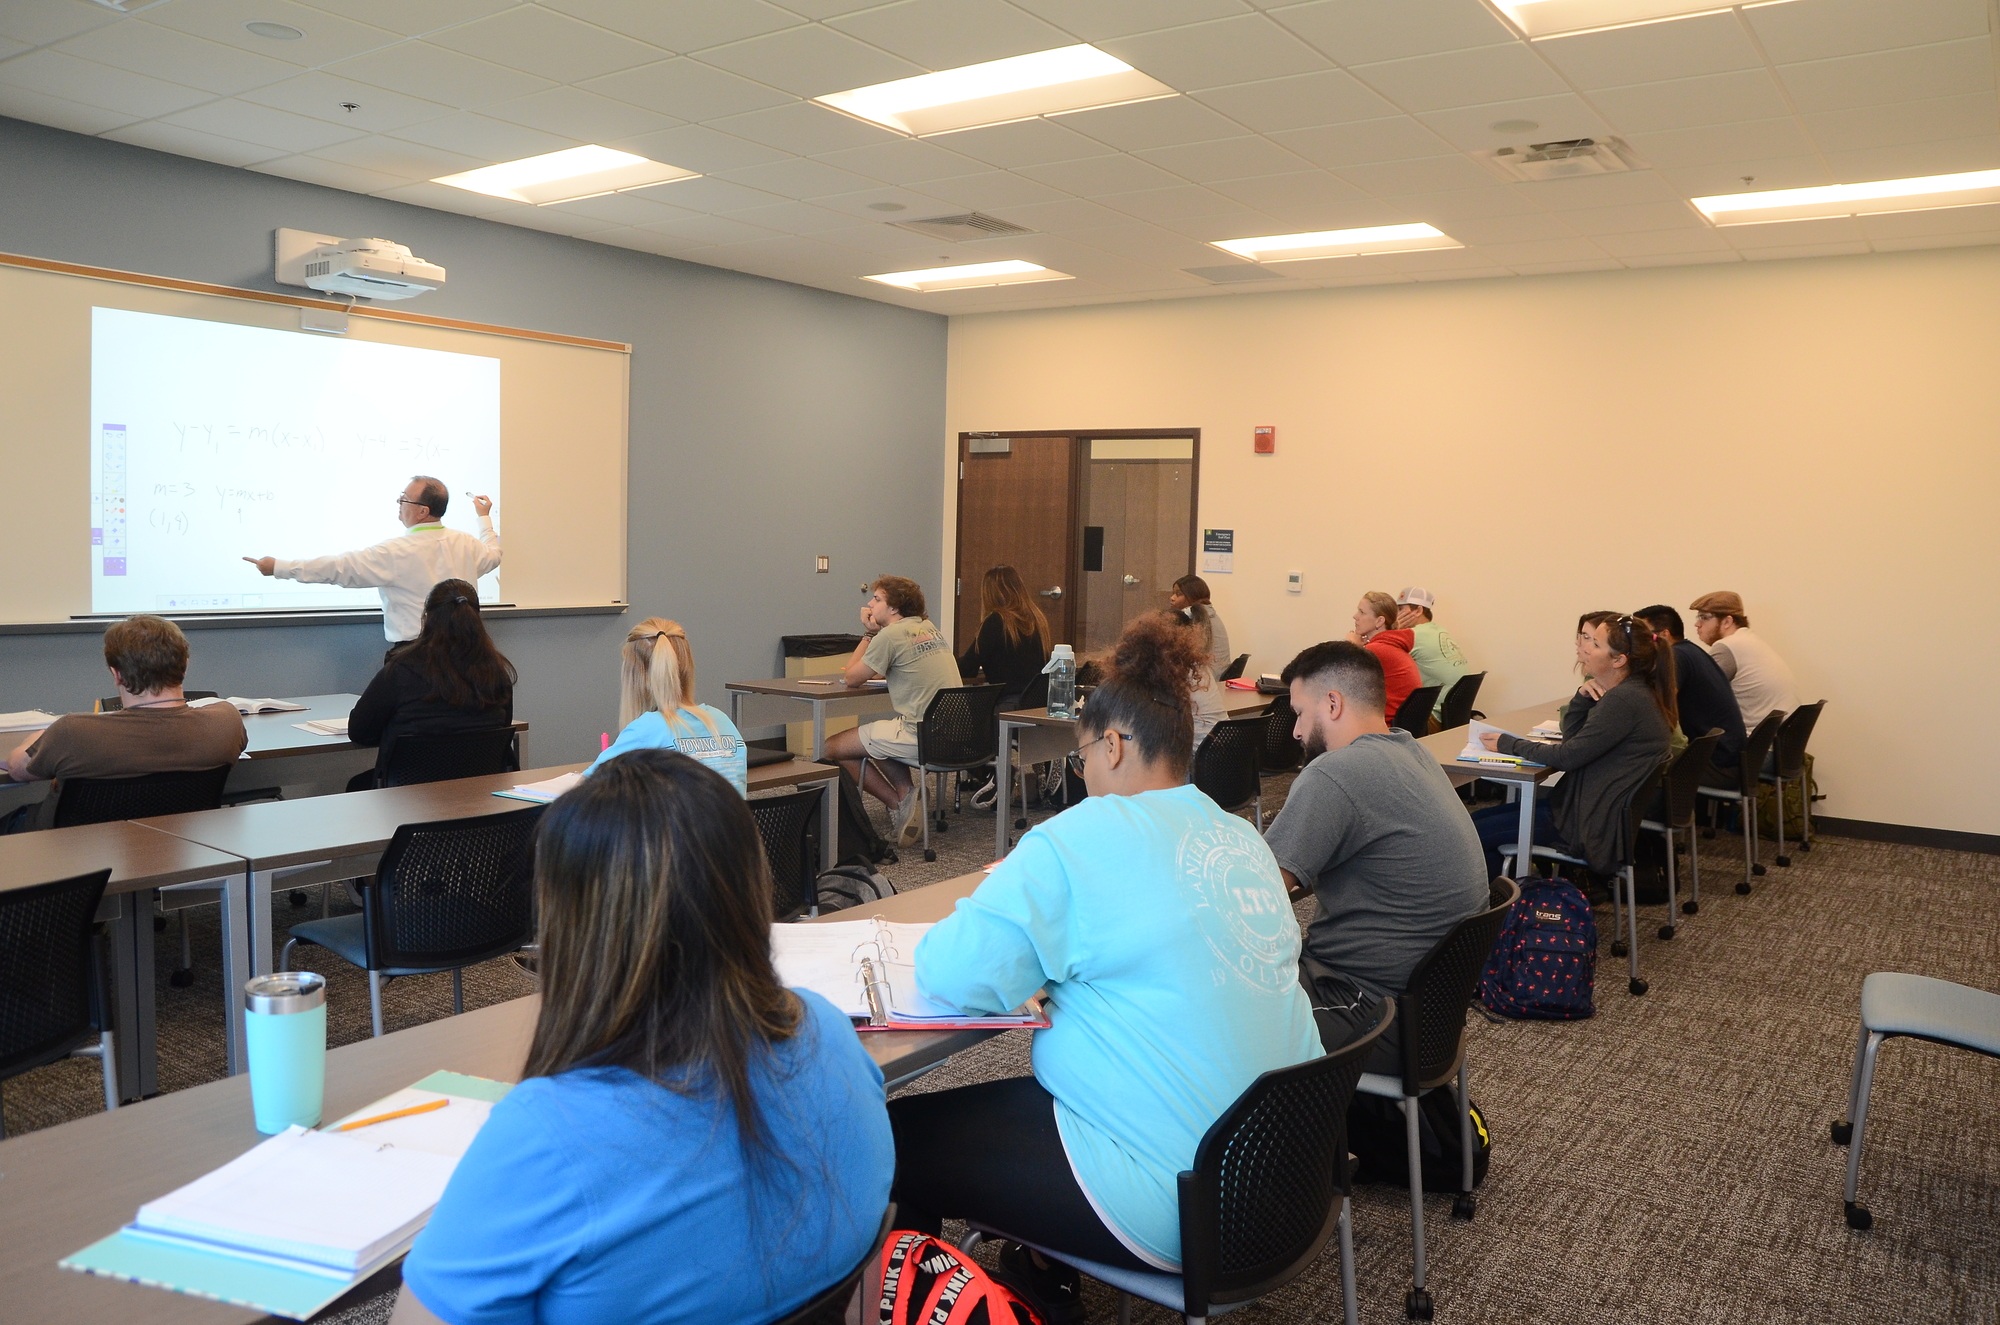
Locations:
{"points": [[284, 1018]]}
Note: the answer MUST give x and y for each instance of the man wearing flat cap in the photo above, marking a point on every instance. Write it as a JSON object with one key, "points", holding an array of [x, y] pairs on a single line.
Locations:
{"points": [[1762, 681]]}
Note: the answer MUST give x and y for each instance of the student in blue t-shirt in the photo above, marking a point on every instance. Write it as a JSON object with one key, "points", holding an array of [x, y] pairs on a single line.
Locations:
{"points": [[1159, 927], [713, 1147], [656, 707]]}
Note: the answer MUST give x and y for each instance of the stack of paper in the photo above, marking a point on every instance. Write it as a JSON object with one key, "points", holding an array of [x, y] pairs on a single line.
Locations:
{"points": [[323, 726], [27, 720], [542, 792]]}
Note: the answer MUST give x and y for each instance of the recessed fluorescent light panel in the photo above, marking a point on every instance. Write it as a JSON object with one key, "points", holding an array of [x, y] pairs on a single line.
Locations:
{"points": [[1832, 200], [972, 276], [999, 92], [1413, 238], [1553, 18], [566, 176]]}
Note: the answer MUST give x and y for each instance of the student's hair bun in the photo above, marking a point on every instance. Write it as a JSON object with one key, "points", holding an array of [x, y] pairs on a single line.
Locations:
{"points": [[1157, 655]]}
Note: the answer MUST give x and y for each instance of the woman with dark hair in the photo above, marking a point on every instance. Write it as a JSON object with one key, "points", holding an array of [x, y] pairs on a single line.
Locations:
{"points": [[1159, 929], [1188, 599], [449, 679], [1616, 733], [690, 1141], [1013, 641]]}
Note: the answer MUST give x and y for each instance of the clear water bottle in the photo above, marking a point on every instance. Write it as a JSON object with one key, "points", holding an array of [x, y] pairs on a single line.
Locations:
{"points": [[1061, 671]]}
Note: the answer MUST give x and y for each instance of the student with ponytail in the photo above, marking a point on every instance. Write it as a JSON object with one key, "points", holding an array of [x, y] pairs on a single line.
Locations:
{"points": [[1159, 928], [657, 709], [449, 679], [1616, 733]]}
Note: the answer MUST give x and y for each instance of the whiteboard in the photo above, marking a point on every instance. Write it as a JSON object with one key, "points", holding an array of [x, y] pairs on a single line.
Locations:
{"points": [[243, 435]]}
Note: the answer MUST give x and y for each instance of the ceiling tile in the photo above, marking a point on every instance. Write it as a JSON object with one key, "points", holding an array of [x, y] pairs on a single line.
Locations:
{"points": [[1650, 243], [10, 48], [626, 208], [547, 44], [891, 249], [413, 18], [688, 90], [868, 205], [38, 25], [264, 125], [1556, 119], [1790, 172], [1943, 221], [1541, 251], [1170, 206], [485, 141], [902, 161], [58, 113], [1215, 54], [1331, 96], [1451, 208], [651, 241], [803, 129], [713, 230], [552, 221], [1687, 103], [1497, 229], [1633, 219], [1558, 195], [1397, 139], [1683, 259], [148, 48], [377, 110], [328, 37], [1843, 249], [1141, 240], [1067, 215], [1429, 174], [1563, 268], [407, 162], [796, 218], [1821, 29], [1099, 175], [1462, 78], [1901, 244], [697, 147], [1161, 122], [810, 61], [1890, 126], [799, 178], [825, 9], [1023, 143], [419, 69], [193, 142], [1748, 140], [680, 25], [990, 189], [1298, 190], [1229, 158], [330, 174], [1653, 52], [947, 34], [54, 74], [1366, 31], [574, 113], [710, 195], [1913, 73], [1946, 156], [1094, 20], [444, 198]]}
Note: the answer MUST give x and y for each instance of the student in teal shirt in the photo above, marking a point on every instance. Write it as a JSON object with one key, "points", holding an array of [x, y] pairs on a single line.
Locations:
{"points": [[1159, 928], [657, 711]]}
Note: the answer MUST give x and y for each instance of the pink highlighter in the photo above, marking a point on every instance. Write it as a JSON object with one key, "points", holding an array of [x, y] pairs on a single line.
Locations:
{"points": [[603, 742]]}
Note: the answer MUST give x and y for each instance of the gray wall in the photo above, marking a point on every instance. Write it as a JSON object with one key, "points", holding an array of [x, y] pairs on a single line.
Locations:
{"points": [[770, 422]]}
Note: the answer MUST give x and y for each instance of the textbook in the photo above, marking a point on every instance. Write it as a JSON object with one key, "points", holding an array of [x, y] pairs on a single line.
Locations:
{"points": [[27, 720], [249, 706], [864, 968], [293, 1223], [541, 793]]}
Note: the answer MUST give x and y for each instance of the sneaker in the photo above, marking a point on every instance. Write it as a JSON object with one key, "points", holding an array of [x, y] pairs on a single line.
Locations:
{"points": [[908, 820], [1054, 1290]]}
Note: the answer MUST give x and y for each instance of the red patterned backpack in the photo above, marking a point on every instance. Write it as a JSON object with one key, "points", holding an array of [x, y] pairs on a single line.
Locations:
{"points": [[922, 1281], [1544, 963]]}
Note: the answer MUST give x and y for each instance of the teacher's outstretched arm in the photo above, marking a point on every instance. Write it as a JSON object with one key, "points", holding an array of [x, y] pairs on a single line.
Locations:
{"points": [[264, 565]]}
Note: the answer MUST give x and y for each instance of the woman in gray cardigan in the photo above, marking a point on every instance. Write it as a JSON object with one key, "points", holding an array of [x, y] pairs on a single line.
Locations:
{"points": [[1615, 736]]}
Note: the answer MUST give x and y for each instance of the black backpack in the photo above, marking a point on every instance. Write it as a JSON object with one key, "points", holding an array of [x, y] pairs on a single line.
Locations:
{"points": [[860, 844], [1375, 1136]]}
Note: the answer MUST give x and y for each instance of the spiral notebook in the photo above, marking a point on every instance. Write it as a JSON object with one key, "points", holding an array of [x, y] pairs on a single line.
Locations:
{"points": [[864, 968]]}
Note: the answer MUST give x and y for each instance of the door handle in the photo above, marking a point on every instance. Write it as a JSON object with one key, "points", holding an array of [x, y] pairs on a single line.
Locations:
{"points": [[1055, 593], [1131, 581]]}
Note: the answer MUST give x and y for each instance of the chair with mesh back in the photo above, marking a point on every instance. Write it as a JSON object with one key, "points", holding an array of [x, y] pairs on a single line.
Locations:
{"points": [[960, 732], [1749, 767], [414, 758], [1226, 766], [1414, 716], [447, 895], [52, 998], [1676, 808], [1235, 668], [114, 703], [830, 1307], [1788, 765], [1267, 1192], [1457, 708], [1431, 1012], [1281, 751], [787, 825]]}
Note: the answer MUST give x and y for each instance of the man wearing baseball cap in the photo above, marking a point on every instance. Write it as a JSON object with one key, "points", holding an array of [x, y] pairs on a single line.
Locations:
{"points": [[1436, 654], [1762, 681]]}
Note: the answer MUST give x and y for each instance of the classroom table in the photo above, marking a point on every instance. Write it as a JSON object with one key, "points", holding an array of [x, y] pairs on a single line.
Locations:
{"points": [[1034, 736], [66, 1186], [777, 700], [140, 860], [1445, 745]]}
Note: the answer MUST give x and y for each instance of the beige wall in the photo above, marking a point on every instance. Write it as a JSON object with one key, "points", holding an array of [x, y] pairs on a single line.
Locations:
{"points": [[1819, 435]]}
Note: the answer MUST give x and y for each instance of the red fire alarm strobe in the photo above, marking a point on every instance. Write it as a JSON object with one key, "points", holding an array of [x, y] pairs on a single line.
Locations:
{"points": [[1266, 439]]}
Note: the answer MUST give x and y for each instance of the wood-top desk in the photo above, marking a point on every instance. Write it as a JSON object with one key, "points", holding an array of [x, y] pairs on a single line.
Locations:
{"points": [[1445, 745], [777, 700], [64, 1187]]}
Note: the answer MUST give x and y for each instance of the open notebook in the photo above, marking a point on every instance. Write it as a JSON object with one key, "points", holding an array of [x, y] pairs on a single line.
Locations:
{"points": [[863, 968], [1475, 753], [290, 1225]]}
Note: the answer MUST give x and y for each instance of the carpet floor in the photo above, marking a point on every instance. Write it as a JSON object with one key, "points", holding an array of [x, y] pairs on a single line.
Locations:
{"points": [[1667, 1159]]}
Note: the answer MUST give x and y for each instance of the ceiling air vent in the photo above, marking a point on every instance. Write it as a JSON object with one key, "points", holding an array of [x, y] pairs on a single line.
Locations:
{"points": [[1564, 160], [972, 225], [1234, 273]]}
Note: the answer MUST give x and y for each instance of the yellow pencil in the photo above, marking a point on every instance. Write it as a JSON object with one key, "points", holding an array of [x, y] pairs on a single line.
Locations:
{"points": [[399, 1113]]}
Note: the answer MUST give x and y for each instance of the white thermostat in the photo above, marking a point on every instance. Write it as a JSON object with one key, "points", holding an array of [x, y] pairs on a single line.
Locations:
{"points": [[1295, 581]]}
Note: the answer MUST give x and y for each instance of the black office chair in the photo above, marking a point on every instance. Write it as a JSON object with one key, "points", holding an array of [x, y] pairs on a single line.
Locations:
{"points": [[114, 704], [1675, 811], [830, 1307], [1281, 751], [447, 895], [1749, 767], [960, 732], [1788, 765], [1624, 884], [1431, 1012], [1225, 766], [53, 1003], [1235, 669], [1268, 1190], [412, 759], [1414, 716], [788, 826], [1458, 701]]}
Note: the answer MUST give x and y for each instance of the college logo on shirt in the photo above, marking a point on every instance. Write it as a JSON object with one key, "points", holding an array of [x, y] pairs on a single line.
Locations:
{"points": [[1243, 915]]}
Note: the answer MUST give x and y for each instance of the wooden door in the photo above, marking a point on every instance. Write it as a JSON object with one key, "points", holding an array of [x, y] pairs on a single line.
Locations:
{"points": [[1016, 507], [1138, 531]]}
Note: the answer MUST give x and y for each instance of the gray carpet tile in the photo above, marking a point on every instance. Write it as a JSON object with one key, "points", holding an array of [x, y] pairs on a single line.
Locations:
{"points": [[1667, 1159]]}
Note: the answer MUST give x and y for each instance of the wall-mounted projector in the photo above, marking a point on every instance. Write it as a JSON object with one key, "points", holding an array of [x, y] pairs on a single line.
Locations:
{"points": [[364, 268]]}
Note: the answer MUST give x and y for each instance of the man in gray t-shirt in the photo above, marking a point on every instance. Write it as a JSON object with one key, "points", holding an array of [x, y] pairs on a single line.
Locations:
{"points": [[1373, 830]]}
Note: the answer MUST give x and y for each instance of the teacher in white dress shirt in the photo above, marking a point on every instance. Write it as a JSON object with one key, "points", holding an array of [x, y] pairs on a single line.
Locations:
{"points": [[405, 569]]}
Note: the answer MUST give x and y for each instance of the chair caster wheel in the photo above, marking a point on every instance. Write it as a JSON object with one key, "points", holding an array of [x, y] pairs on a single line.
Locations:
{"points": [[298, 897], [1021, 822], [1708, 834], [1858, 1216], [1465, 1207], [1417, 1304], [159, 924], [181, 979], [1690, 908], [1785, 862], [1757, 870], [1843, 1132], [1637, 987], [1743, 889], [930, 856], [1804, 848], [1619, 947], [941, 827], [1666, 931]]}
